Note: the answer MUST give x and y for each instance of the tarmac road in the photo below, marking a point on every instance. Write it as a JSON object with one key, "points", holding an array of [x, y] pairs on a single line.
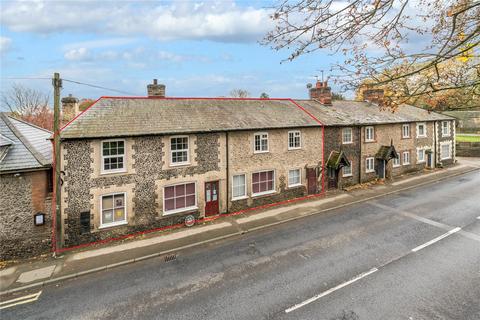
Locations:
{"points": [[401, 256]]}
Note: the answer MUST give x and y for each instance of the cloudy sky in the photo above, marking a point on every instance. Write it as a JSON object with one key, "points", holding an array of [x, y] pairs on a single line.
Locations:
{"points": [[196, 48]]}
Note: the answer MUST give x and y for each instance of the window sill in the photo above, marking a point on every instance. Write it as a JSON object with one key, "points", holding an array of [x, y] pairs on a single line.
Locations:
{"points": [[406, 137], [103, 173], [449, 158], [370, 171], [396, 166], [110, 225], [257, 152], [292, 149], [240, 198], [263, 193], [351, 142], [179, 164], [421, 161], [406, 164], [370, 141], [295, 185], [169, 213], [446, 136], [347, 176], [418, 137]]}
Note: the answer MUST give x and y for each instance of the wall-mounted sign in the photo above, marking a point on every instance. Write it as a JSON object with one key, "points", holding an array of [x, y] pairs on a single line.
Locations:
{"points": [[189, 220], [39, 219]]}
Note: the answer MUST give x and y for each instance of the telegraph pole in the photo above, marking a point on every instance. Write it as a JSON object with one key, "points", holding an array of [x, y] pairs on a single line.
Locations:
{"points": [[57, 85]]}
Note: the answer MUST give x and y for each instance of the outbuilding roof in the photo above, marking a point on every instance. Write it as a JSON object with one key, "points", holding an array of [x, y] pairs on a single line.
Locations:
{"points": [[111, 117], [23, 146], [342, 113]]}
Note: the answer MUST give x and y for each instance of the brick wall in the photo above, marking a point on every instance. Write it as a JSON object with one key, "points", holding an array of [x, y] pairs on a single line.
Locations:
{"points": [[22, 197]]}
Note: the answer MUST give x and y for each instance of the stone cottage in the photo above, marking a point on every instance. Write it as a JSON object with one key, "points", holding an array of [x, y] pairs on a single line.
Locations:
{"points": [[135, 164], [364, 142], [25, 184]]}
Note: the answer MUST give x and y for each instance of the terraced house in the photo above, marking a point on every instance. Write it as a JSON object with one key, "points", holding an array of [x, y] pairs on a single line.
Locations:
{"points": [[133, 164]]}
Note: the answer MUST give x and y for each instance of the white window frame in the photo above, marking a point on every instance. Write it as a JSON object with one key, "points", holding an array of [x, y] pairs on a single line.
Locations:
{"points": [[102, 169], [169, 212], [299, 177], [403, 158], [373, 134], [406, 126], [367, 170], [422, 150], [255, 137], [343, 136], [294, 132], [264, 192], [448, 129], [449, 144], [245, 191], [183, 163], [348, 174], [399, 162], [117, 223], [424, 129]]}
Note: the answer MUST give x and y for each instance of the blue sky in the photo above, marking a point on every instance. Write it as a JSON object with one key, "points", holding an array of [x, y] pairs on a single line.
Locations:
{"points": [[195, 48]]}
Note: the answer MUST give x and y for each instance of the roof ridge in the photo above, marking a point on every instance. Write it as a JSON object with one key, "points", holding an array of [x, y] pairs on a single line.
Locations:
{"points": [[37, 155]]}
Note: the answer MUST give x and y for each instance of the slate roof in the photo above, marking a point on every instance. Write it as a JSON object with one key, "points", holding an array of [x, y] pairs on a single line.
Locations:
{"points": [[111, 117], [23, 146], [343, 113]]}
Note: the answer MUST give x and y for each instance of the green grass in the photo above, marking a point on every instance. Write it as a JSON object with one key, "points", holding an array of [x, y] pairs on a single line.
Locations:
{"points": [[464, 138]]}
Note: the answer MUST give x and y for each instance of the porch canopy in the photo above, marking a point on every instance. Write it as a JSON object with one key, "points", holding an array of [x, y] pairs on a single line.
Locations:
{"points": [[337, 160], [386, 153]]}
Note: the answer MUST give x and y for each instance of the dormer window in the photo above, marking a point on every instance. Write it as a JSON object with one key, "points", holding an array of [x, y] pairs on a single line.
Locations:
{"points": [[113, 156], [179, 154], [260, 142]]}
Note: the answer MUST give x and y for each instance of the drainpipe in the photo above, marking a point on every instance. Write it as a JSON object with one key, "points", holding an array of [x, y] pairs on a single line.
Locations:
{"points": [[435, 145], [360, 154], [226, 169]]}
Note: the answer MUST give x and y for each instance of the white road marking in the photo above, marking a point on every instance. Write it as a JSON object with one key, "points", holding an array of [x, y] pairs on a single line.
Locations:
{"points": [[323, 294], [21, 300], [426, 244]]}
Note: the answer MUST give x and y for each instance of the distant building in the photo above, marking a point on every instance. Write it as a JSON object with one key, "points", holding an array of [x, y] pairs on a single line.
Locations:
{"points": [[26, 188]]}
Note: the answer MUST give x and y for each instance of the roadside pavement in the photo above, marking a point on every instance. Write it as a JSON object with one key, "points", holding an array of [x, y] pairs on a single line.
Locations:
{"points": [[75, 263]]}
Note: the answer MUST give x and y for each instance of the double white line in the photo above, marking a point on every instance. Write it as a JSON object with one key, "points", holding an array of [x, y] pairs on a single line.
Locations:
{"points": [[21, 300]]}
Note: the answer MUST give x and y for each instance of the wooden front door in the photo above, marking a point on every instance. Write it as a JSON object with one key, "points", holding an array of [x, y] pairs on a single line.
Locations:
{"points": [[211, 198], [332, 178], [312, 181]]}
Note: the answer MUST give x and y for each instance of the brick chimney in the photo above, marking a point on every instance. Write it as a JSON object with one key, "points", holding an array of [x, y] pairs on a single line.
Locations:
{"points": [[321, 92], [373, 96], [69, 108], [156, 90]]}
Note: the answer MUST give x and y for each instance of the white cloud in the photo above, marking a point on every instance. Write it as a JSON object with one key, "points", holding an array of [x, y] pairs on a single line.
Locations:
{"points": [[222, 21], [5, 44], [80, 54]]}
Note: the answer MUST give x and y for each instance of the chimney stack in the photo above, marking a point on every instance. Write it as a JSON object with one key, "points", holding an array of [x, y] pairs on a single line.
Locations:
{"points": [[69, 108], [322, 92], [156, 90], [374, 96]]}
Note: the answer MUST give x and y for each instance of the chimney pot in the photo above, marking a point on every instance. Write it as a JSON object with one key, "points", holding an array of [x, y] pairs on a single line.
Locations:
{"points": [[322, 92], [69, 108]]}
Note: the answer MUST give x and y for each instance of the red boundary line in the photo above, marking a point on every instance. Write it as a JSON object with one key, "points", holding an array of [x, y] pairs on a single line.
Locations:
{"points": [[176, 226]]}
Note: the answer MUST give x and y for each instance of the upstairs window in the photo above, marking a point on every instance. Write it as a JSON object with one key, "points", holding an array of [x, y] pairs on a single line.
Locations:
{"points": [[113, 156], [261, 142], [369, 134], [406, 131], [445, 128], [294, 140], [421, 130], [179, 150], [263, 182], [347, 136]]}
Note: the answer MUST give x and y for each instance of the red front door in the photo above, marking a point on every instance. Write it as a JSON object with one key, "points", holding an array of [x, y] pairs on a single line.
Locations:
{"points": [[211, 198], [311, 180]]}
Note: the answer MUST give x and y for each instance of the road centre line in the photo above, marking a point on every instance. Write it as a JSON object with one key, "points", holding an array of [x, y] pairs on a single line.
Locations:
{"points": [[20, 300], [323, 294], [426, 244]]}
